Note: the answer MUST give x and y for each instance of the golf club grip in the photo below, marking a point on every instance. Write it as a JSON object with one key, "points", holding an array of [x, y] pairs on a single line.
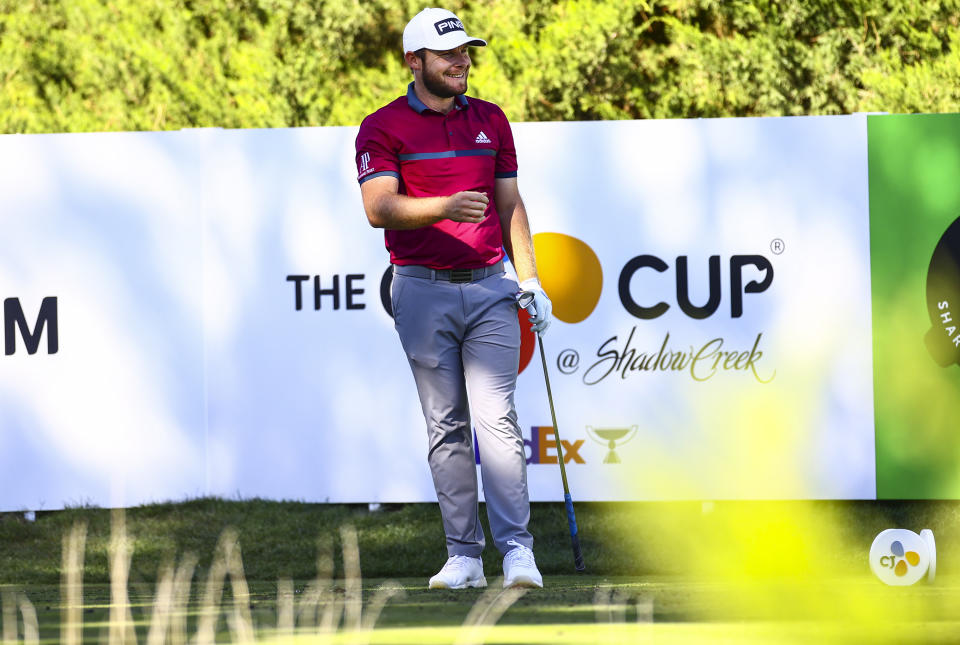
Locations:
{"points": [[574, 534], [577, 554]]}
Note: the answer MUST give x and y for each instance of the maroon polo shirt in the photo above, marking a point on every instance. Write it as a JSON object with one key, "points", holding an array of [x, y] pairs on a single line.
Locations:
{"points": [[434, 154]]}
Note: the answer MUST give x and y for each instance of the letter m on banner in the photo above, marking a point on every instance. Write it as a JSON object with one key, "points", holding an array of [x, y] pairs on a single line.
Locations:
{"points": [[14, 318]]}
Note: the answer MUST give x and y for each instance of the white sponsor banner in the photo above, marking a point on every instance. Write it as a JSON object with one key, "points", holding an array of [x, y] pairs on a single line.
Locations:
{"points": [[757, 386], [315, 403], [107, 225], [221, 331]]}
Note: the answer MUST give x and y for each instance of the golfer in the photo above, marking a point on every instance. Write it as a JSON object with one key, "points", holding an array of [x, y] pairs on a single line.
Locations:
{"points": [[438, 172]]}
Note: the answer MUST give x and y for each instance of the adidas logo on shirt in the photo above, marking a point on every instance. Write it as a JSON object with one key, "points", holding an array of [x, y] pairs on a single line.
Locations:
{"points": [[482, 138]]}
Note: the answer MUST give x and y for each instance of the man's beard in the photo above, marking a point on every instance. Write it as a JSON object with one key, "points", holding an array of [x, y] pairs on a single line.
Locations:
{"points": [[436, 86]]}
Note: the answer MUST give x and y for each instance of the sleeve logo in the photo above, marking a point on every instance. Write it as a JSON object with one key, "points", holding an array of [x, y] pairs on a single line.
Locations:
{"points": [[365, 163]]}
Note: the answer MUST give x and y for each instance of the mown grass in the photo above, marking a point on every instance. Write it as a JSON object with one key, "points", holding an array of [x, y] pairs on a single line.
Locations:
{"points": [[283, 539]]}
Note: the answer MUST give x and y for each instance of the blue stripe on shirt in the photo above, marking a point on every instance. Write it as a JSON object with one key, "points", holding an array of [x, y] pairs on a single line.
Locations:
{"points": [[391, 173], [420, 156]]}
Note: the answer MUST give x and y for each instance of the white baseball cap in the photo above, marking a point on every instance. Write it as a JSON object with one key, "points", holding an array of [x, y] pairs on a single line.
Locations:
{"points": [[436, 29]]}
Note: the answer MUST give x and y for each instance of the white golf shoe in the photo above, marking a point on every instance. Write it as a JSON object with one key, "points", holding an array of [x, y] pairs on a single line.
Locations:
{"points": [[459, 572], [519, 567]]}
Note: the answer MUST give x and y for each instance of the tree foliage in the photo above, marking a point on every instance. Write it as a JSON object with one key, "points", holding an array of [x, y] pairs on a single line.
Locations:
{"points": [[95, 65]]}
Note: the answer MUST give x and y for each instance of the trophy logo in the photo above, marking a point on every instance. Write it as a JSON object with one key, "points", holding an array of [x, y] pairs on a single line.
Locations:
{"points": [[609, 437]]}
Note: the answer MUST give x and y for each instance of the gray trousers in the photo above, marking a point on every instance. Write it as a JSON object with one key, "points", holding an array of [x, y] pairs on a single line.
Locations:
{"points": [[463, 345]]}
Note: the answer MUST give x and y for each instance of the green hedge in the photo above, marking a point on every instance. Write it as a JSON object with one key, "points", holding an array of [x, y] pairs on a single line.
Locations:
{"points": [[101, 65]]}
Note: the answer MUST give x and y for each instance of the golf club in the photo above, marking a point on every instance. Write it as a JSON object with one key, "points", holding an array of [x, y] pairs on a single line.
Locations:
{"points": [[525, 300]]}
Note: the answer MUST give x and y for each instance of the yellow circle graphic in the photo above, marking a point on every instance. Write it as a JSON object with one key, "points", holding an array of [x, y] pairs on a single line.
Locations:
{"points": [[570, 273]]}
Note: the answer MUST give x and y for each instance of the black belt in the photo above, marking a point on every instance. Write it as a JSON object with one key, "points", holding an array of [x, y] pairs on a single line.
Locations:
{"points": [[448, 275]]}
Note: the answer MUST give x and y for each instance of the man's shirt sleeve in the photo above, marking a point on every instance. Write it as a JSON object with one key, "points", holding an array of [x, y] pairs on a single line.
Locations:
{"points": [[506, 165], [375, 156]]}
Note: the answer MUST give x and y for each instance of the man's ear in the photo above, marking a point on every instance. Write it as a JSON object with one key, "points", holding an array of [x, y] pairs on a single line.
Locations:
{"points": [[413, 61]]}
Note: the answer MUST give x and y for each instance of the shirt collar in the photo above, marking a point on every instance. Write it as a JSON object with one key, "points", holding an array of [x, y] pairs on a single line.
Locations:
{"points": [[420, 107]]}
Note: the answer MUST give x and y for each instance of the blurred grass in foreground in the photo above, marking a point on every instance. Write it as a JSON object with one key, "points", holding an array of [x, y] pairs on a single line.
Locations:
{"points": [[190, 582]]}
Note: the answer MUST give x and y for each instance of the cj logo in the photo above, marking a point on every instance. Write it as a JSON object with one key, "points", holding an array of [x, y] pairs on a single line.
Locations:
{"points": [[900, 557]]}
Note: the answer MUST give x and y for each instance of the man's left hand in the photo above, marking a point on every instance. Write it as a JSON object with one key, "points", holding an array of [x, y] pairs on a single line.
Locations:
{"points": [[541, 309]]}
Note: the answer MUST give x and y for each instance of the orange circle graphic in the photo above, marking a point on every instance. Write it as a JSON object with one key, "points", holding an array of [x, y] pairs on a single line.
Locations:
{"points": [[570, 273]]}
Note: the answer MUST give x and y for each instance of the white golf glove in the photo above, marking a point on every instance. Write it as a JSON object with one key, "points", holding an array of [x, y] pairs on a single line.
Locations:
{"points": [[541, 308]]}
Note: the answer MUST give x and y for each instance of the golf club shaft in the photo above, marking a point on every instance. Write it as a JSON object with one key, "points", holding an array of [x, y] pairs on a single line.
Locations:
{"points": [[571, 516]]}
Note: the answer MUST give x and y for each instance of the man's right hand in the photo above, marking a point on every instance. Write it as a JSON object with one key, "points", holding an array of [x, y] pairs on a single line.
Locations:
{"points": [[387, 209], [466, 206]]}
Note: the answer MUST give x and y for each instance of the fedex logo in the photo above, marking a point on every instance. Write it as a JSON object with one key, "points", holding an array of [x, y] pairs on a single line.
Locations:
{"points": [[541, 447], [448, 25]]}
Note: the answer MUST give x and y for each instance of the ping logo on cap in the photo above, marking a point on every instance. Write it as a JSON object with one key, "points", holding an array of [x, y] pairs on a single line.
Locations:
{"points": [[448, 25], [900, 557]]}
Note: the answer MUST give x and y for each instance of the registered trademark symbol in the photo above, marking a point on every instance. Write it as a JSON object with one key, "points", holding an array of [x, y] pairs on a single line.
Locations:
{"points": [[777, 246]]}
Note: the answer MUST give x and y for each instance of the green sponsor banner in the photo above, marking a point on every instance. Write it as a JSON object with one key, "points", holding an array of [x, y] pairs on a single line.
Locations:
{"points": [[914, 166]]}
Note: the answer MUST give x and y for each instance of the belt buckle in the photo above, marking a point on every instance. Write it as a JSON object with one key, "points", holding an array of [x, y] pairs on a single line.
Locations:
{"points": [[461, 275]]}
